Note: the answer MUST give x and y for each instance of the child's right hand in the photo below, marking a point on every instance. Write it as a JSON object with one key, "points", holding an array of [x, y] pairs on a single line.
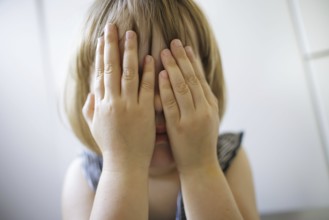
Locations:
{"points": [[121, 116]]}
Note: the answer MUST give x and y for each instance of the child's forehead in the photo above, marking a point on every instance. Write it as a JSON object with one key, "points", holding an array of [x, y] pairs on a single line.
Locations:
{"points": [[153, 43], [157, 45]]}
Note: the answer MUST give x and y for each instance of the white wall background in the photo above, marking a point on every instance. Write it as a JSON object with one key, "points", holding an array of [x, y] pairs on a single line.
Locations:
{"points": [[276, 61]]}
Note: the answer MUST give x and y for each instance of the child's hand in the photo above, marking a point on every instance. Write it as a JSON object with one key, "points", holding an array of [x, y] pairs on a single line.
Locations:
{"points": [[120, 116], [191, 109]]}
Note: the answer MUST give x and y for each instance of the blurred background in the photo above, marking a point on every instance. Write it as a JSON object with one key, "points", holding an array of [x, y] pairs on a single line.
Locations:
{"points": [[276, 62]]}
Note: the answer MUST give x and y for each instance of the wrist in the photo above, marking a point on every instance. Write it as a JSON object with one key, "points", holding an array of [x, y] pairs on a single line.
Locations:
{"points": [[206, 170], [124, 165]]}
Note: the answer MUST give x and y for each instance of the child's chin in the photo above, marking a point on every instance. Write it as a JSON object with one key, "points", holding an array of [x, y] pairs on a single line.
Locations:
{"points": [[162, 160]]}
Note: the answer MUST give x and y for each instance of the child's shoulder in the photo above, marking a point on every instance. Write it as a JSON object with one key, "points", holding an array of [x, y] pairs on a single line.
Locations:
{"points": [[77, 197], [228, 145]]}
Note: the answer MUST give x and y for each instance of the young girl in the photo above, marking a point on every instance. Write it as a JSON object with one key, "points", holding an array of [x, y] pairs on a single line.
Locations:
{"points": [[146, 97]]}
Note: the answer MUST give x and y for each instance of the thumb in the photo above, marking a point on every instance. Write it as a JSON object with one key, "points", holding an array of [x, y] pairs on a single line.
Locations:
{"points": [[88, 108]]}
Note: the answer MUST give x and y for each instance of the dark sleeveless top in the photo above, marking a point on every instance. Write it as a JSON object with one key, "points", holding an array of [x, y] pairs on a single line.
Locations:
{"points": [[227, 146]]}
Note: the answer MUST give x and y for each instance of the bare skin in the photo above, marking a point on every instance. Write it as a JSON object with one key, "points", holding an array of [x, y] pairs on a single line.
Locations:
{"points": [[191, 128]]}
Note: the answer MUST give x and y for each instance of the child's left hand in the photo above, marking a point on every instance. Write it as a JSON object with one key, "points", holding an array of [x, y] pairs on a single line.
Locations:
{"points": [[190, 108]]}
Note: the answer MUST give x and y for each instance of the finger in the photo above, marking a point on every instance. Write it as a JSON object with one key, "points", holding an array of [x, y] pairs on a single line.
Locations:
{"points": [[88, 109], [169, 103], [129, 80], [199, 73], [112, 68], [181, 90], [146, 93], [99, 68], [188, 73]]}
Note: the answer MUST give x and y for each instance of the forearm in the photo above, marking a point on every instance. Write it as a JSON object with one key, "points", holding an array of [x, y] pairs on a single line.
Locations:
{"points": [[206, 195], [121, 195]]}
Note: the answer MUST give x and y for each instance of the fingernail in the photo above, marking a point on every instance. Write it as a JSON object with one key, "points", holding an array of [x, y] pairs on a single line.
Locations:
{"points": [[148, 59], [164, 74], [189, 49], [189, 52], [177, 43], [109, 27], [166, 52], [130, 34]]}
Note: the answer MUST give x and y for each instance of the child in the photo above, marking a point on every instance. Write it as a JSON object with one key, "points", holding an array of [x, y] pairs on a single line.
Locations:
{"points": [[146, 97]]}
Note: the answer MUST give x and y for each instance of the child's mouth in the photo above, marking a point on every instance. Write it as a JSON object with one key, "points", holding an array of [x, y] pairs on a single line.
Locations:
{"points": [[161, 138], [160, 129]]}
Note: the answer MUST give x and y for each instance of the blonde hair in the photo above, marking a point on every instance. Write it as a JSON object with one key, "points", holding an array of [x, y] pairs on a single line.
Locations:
{"points": [[171, 18]]}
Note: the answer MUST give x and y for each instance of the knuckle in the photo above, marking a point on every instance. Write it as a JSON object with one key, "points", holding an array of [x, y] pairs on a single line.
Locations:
{"points": [[109, 107], [181, 88], [99, 72], [192, 79], [108, 68], [147, 85], [180, 128], [128, 74], [207, 116], [170, 103], [114, 105]]}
